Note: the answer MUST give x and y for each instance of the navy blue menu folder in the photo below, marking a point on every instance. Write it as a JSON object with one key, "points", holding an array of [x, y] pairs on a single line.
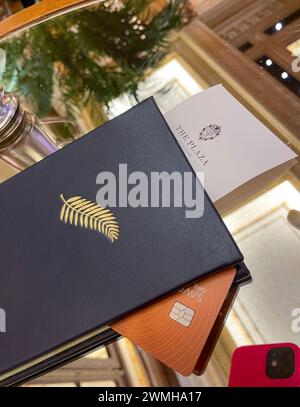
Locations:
{"points": [[61, 282]]}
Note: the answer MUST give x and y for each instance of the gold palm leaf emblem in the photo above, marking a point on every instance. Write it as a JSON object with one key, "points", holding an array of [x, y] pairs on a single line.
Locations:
{"points": [[78, 211]]}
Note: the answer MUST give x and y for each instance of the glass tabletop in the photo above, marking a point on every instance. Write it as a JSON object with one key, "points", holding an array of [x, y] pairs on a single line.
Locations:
{"points": [[80, 68]]}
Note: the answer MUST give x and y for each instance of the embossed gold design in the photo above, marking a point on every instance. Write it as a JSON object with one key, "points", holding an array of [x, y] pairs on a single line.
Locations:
{"points": [[78, 211]]}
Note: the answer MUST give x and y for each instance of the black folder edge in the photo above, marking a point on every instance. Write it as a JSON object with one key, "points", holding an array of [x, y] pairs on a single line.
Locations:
{"points": [[105, 338], [95, 340]]}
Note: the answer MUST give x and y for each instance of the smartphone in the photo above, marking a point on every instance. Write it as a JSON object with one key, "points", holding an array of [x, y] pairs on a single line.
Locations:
{"points": [[276, 365]]}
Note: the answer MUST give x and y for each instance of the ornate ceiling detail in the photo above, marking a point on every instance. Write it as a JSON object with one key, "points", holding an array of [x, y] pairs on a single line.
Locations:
{"points": [[247, 18]]}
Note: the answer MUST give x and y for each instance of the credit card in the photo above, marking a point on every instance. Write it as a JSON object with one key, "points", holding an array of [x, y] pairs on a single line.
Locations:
{"points": [[176, 328]]}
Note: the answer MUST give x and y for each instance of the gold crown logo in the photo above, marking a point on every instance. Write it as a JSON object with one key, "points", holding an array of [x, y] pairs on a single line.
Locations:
{"points": [[210, 132]]}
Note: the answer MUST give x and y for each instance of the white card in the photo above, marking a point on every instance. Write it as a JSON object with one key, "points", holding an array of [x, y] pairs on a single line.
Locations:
{"points": [[221, 138]]}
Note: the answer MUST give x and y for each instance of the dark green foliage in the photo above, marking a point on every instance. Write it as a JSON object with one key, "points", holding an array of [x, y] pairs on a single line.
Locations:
{"points": [[100, 50]]}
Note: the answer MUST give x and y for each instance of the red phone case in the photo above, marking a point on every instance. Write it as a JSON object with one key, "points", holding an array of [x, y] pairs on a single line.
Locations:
{"points": [[249, 367]]}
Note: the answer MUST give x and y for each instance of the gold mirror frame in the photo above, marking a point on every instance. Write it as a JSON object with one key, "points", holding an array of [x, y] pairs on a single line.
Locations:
{"points": [[38, 13]]}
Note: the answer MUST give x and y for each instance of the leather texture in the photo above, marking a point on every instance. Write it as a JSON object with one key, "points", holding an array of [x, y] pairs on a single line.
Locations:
{"points": [[242, 277], [59, 282]]}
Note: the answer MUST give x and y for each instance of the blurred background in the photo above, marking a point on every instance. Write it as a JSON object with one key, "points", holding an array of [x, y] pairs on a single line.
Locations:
{"points": [[75, 66]]}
